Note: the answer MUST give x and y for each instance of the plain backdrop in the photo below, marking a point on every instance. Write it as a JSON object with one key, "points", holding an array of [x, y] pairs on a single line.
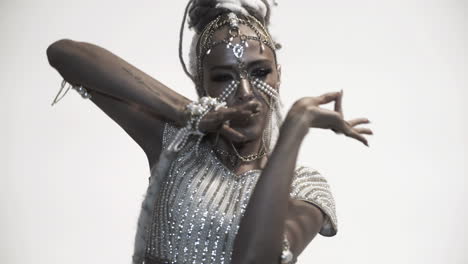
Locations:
{"points": [[72, 181]]}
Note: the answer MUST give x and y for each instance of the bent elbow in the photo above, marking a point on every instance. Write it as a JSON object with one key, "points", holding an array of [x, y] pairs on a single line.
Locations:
{"points": [[57, 50]]}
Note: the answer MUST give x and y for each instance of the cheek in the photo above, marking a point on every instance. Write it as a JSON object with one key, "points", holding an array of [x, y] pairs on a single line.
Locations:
{"points": [[262, 97], [213, 89], [272, 80]]}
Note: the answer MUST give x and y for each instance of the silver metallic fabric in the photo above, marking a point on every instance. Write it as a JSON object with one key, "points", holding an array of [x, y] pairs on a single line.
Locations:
{"points": [[308, 185], [194, 204]]}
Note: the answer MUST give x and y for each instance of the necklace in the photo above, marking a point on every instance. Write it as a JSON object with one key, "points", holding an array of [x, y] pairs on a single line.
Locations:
{"points": [[250, 157], [228, 156], [233, 159]]}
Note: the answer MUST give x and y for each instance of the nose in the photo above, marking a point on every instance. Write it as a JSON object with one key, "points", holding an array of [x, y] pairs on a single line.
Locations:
{"points": [[244, 92]]}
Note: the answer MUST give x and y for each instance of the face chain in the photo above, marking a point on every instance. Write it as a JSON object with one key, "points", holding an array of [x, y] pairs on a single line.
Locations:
{"points": [[265, 88], [228, 91], [233, 22], [255, 82]]}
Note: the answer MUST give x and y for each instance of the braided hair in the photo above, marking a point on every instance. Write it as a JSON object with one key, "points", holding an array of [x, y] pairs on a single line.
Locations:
{"points": [[201, 12]]}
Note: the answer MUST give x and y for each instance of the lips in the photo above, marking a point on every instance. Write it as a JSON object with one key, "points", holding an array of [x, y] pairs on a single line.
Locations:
{"points": [[255, 108], [245, 121]]}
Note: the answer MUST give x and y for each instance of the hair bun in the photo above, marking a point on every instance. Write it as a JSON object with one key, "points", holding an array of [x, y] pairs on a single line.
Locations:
{"points": [[201, 12]]}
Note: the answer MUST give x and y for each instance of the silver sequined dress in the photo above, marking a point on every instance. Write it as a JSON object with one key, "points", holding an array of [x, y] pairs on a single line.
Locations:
{"points": [[194, 204]]}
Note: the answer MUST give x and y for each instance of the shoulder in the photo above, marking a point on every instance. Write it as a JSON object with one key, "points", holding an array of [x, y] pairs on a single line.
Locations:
{"points": [[310, 186]]}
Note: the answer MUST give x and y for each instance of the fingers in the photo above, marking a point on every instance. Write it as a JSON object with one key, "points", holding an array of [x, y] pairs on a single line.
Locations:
{"points": [[358, 121], [355, 134], [214, 120], [328, 97], [232, 134], [225, 114], [335, 118], [363, 130], [239, 112], [338, 103]]}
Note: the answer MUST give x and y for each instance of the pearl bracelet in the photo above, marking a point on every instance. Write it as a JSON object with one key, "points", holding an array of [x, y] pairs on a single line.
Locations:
{"points": [[197, 111], [287, 256]]}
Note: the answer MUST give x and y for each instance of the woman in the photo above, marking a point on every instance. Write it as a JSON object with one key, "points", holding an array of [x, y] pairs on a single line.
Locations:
{"points": [[224, 187]]}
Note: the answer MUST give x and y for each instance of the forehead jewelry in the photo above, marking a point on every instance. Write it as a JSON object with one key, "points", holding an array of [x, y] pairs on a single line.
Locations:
{"points": [[233, 22], [237, 49]]}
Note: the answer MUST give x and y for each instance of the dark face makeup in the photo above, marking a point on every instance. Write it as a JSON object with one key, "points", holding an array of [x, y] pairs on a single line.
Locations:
{"points": [[221, 67]]}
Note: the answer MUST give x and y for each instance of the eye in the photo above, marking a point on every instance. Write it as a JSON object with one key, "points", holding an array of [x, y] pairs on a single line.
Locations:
{"points": [[221, 78], [261, 72]]}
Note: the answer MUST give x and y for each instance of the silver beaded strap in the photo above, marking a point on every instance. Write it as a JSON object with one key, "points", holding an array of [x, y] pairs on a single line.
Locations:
{"points": [[80, 89]]}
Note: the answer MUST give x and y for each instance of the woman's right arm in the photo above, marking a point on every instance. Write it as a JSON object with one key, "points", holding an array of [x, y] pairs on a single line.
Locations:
{"points": [[136, 101], [101, 71]]}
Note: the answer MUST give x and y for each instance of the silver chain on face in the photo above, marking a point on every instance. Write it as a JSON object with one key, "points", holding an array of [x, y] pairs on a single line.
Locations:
{"points": [[238, 49], [232, 21], [228, 90], [267, 90], [255, 82]]}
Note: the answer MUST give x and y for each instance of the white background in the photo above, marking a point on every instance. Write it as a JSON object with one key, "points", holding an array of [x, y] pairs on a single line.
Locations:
{"points": [[72, 180]]}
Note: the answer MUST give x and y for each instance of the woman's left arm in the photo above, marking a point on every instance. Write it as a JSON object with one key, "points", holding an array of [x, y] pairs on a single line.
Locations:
{"points": [[260, 235]]}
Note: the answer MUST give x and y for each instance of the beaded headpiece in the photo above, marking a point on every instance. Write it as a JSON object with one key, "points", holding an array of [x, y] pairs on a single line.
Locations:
{"points": [[206, 42]]}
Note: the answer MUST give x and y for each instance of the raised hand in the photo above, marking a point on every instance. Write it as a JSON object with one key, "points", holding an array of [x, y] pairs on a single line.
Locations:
{"points": [[219, 120], [320, 117]]}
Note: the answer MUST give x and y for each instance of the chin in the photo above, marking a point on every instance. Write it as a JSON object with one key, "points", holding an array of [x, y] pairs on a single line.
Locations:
{"points": [[251, 133]]}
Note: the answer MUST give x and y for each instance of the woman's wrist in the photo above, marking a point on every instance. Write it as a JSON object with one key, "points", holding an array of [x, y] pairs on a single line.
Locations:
{"points": [[183, 115], [298, 118], [295, 127]]}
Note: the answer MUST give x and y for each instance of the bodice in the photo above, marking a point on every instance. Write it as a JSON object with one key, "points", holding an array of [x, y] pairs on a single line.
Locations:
{"points": [[194, 204]]}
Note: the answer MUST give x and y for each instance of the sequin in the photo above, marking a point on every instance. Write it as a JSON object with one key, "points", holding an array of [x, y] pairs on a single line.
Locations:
{"points": [[194, 213]]}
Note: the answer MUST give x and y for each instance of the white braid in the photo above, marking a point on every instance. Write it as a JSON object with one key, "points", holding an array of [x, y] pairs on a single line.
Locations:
{"points": [[259, 6]]}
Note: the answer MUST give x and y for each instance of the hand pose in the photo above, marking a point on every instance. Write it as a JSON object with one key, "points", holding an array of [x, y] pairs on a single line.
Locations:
{"points": [[307, 109], [219, 120], [319, 117]]}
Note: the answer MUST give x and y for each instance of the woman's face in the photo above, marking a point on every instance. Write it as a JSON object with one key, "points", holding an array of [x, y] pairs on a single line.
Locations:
{"points": [[221, 67]]}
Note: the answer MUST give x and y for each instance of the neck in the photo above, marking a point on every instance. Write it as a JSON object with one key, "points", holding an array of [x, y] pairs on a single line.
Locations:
{"points": [[227, 154]]}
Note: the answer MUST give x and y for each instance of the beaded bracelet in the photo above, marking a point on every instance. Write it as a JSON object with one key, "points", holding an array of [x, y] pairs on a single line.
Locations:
{"points": [[197, 111], [287, 256], [80, 89]]}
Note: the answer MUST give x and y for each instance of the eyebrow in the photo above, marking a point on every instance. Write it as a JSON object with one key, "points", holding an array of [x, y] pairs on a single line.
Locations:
{"points": [[249, 65]]}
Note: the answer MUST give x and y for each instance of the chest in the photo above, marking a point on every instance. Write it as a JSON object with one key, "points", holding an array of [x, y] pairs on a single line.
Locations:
{"points": [[199, 209]]}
